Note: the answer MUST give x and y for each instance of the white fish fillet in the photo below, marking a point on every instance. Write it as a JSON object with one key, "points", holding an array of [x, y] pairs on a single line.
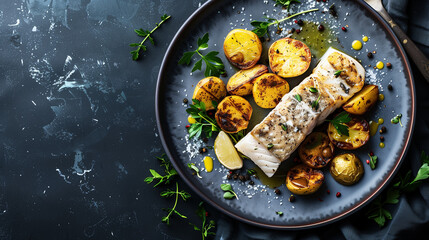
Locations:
{"points": [[287, 125]]}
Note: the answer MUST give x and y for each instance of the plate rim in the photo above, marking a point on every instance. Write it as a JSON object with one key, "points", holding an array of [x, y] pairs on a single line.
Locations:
{"points": [[323, 222]]}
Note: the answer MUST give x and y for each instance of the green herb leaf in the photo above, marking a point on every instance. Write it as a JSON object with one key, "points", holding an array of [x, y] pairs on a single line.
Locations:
{"points": [[397, 119], [372, 161], [228, 195], [377, 211], [279, 213], [214, 65], [315, 104], [338, 123], [286, 3], [261, 27], [226, 187], [193, 167], [205, 228], [284, 126], [147, 36], [270, 145], [338, 73], [298, 97], [313, 90]]}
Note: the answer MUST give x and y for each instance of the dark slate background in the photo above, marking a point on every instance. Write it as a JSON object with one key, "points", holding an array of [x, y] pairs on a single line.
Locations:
{"points": [[78, 130], [77, 121]]}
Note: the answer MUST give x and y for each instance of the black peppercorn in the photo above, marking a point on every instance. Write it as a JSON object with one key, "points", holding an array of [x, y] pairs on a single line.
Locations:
{"points": [[388, 65], [185, 100], [383, 129], [321, 27], [251, 183], [382, 139], [228, 176], [235, 176], [292, 198], [390, 87], [370, 55], [242, 178], [300, 22], [277, 191]]}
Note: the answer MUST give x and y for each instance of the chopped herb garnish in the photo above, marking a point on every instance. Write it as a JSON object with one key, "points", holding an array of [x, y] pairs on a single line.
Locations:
{"points": [[214, 65], [170, 173], [337, 73], [168, 169], [193, 167], [397, 119], [314, 90], [205, 228], [146, 34], [315, 104], [279, 213], [372, 161], [286, 3], [270, 145], [261, 28], [402, 184], [298, 97], [229, 193], [284, 126], [251, 171], [338, 123], [169, 193]]}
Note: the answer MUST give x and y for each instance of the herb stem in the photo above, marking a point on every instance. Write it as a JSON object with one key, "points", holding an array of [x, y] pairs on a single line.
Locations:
{"points": [[175, 203], [210, 121], [293, 15], [153, 30]]}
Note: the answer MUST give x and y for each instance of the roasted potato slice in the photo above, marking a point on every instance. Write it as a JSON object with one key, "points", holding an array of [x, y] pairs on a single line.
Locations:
{"points": [[317, 150], [269, 89], [362, 101], [209, 89], [241, 83], [242, 48], [303, 180], [233, 114], [347, 169], [289, 57], [358, 134]]}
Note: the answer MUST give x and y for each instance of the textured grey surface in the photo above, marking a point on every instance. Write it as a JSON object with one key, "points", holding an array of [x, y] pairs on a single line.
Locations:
{"points": [[77, 122]]}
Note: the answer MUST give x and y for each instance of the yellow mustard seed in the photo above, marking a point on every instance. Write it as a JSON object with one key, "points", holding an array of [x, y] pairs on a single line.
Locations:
{"points": [[357, 45], [380, 65], [191, 120], [380, 97], [381, 145], [365, 39]]}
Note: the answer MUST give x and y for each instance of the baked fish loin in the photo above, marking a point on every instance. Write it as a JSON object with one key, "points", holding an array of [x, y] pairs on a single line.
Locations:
{"points": [[337, 78]]}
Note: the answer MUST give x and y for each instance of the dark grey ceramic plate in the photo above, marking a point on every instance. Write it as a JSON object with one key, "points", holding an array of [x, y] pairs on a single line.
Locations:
{"points": [[258, 204]]}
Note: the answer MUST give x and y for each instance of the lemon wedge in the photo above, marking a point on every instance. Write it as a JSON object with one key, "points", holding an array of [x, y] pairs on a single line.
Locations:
{"points": [[226, 153]]}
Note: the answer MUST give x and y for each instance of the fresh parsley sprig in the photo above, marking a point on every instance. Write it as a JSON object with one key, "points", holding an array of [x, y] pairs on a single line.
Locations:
{"points": [[170, 172], [377, 210], [286, 3], [204, 123], [261, 27], [338, 123], [214, 65], [177, 193], [147, 35], [205, 228]]}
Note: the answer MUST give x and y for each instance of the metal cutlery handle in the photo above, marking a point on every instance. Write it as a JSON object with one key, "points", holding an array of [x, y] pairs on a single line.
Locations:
{"points": [[413, 51]]}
